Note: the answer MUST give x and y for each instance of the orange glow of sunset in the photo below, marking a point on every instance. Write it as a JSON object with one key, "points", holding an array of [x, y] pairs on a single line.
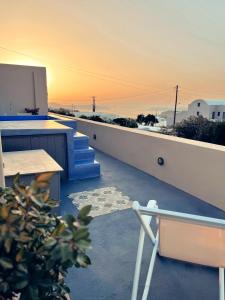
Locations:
{"points": [[129, 54]]}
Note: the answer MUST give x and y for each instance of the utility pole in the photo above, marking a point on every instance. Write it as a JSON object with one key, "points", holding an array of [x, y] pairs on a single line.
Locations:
{"points": [[175, 107], [93, 104]]}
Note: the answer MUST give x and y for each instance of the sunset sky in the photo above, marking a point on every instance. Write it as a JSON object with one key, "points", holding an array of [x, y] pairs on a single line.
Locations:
{"points": [[130, 54]]}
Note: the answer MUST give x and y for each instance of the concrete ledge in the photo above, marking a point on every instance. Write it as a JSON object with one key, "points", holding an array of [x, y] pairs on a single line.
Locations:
{"points": [[194, 167]]}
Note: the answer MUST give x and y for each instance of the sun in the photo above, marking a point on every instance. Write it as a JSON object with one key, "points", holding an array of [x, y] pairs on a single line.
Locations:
{"points": [[35, 63]]}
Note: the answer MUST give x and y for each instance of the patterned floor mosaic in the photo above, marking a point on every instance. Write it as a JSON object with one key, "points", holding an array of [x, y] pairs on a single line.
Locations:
{"points": [[104, 200]]}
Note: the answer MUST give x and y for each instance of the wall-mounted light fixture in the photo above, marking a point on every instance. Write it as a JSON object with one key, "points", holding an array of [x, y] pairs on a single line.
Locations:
{"points": [[160, 161]]}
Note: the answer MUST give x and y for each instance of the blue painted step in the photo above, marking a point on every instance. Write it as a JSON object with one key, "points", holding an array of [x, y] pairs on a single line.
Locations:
{"points": [[84, 155], [81, 141], [86, 170], [84, 164]]}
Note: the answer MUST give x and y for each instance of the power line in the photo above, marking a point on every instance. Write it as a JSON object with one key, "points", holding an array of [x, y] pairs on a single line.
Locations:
{"points": [[100, 76], [138, 95], [187, 90], [129, 97]]}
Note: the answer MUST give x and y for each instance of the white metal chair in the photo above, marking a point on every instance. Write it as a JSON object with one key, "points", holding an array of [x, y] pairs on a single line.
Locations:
{"points": [[197, 239]]}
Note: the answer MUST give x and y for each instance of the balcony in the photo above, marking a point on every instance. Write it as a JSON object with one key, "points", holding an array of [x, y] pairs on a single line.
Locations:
{"points": [[189, 181]]}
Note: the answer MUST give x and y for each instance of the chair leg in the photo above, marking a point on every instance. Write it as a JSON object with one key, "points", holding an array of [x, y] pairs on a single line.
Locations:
{"points": [[150, 269], [221, 283], [145, 229], [138, 264]]}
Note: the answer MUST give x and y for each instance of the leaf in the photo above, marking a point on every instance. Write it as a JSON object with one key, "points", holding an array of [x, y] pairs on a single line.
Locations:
{"points": [[19, 285], [3, 229], [4, 212], [84, 211], [22, 268], [16, 179], [23, 237], [86, 220], [19, 255], [6, 263], [83, 260], [69, 219], [7, 244], [44, 177], [50, 242], [59, 229], [84, 244], [4, 287], [81, 234], [33, 293], [52, 203], [38, 202]]}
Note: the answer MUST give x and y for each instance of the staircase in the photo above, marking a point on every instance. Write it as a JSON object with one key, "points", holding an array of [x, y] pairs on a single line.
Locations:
{"points": [[85, 165], [82, 163]]}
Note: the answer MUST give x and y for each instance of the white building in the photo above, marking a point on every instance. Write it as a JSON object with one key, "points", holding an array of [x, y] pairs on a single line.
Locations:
{"points": [[169, 116], [22, 87], [210, 109]]}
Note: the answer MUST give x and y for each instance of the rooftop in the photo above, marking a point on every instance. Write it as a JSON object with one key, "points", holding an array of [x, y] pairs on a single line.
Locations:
{"points": [[115, 228], [214, 101], [115, 238]]}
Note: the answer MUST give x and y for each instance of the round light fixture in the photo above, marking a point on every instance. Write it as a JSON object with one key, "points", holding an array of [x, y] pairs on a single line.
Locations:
{"points": [[160, 161]]}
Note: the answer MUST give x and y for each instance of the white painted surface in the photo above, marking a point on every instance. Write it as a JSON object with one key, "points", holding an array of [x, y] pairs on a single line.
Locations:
{"points": [[180, 116], [192, 166], [207, 108], [198, 239], [35, 125], [29, 162], [22, 87]]}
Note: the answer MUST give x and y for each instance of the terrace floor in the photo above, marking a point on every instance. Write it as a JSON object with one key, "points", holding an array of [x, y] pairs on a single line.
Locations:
{"points": [[115, 237]]}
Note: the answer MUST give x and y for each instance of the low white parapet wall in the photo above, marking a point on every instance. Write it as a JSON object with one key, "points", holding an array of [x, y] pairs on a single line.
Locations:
{"points": [[195, 167]]}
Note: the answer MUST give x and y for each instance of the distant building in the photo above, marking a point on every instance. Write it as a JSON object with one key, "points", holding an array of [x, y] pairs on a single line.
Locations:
{"points": [[169, 116], [22, 87], [209, 109]]}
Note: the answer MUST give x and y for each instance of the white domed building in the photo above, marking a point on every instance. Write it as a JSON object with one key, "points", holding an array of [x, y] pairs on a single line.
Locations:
{"points": [[210, 109]]}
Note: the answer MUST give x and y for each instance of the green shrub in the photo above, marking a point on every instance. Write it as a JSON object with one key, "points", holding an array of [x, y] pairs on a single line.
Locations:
{"points": [[126, 122], [36, 246], [196, 128], [201, 129], [219, 133]]}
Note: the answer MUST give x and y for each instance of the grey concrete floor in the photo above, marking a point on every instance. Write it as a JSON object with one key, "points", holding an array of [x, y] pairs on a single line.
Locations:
{"points": [[115, 238]]}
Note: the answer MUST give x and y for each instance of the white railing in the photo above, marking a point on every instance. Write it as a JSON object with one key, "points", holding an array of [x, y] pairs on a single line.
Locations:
{"points": [[186, 237]]}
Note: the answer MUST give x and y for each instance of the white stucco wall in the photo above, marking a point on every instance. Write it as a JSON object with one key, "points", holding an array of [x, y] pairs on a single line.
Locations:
{"points": [[206, 110], [217, 109], [180, 116], [22, 87], [192, 166], [203, 109], [194, 109]]}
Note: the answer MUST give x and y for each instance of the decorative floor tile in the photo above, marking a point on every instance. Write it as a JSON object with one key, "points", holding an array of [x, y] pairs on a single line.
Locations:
{"points": [[104, 200]]}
